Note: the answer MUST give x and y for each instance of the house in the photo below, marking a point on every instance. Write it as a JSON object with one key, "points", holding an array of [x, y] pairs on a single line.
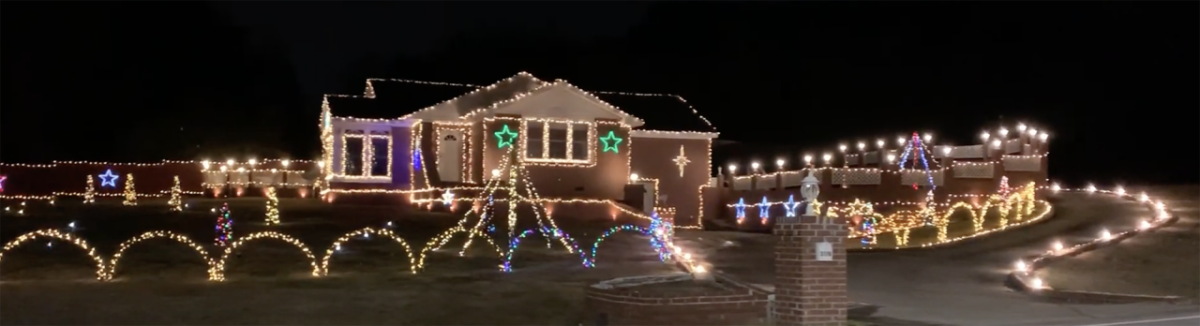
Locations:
{"points": [[575, 144]]}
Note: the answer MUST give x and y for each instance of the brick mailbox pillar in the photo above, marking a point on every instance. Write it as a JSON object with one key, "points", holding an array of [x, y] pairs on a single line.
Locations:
{"points": [[810, 290], [810, 270]]}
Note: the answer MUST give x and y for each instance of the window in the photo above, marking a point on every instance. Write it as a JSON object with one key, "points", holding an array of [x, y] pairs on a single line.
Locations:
{"points": [[379, 156], [353, 155], [558, 141], [533, 140], [579, 142], [366, 154]]}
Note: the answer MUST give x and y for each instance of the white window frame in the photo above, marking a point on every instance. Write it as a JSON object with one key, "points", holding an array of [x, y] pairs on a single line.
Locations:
{"points": [[545, 137]]}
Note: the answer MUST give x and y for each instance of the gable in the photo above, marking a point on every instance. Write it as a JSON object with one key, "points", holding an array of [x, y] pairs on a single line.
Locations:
{"points": [[561, 101]]}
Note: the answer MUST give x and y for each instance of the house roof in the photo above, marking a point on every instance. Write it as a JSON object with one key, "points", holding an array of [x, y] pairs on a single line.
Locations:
{"points": [[392, 98], [666, 112]]}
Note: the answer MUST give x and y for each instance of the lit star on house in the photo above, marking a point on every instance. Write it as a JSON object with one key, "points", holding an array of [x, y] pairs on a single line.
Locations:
{"points": [[681, 161], [741, 209], [108, 179], [763, 210], [791, 205], [611, 141], [447, 197], [2, 178], [505, 137]]}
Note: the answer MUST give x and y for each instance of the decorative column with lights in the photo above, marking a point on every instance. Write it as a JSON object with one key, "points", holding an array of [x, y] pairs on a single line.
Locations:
{"points": [[810, 265]]}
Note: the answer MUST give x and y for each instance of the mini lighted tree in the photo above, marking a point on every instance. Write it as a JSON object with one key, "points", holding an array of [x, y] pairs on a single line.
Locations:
{"points": [[224, 226], [130, 191], [89, 193], [272, 206], [176, 202]]}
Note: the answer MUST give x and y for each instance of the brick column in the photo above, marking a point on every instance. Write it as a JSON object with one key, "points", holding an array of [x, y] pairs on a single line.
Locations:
{"points": [[809, 291]]}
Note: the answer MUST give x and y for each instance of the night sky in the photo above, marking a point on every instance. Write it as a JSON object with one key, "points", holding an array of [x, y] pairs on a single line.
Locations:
{"points": [[1115, 83]]}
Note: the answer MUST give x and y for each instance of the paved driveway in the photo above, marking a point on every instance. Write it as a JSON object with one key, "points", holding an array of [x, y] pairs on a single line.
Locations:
{"points": [[959, 285]]}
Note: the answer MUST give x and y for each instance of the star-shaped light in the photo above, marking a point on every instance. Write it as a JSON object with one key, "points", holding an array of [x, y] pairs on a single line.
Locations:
{"points": [[741, 209], [505, 137], [447, 197], [611, 141], [763, 212], [791, 205], [109, 179], [681, 161]]}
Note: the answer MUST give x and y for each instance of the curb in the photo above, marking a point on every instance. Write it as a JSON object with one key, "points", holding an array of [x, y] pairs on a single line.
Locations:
{"points": [[1022, 279]]}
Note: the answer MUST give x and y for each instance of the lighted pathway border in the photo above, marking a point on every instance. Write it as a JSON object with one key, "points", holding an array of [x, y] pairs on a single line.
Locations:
{"points": [[1023, 277]]}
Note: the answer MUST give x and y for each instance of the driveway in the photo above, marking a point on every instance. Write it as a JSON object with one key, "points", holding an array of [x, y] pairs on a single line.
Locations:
{"points": [[961, 284]]}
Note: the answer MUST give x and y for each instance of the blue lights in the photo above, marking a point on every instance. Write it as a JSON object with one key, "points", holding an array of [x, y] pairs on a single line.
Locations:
{"points": [[108, 179]]}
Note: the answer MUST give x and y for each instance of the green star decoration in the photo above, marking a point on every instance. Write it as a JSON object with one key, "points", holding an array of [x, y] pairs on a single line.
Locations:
{"points": [[610, 142], [505, 137]]}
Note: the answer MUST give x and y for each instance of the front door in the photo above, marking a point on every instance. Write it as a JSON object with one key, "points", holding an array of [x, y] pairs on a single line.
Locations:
{"points": [[648, 198], [450, 155]]}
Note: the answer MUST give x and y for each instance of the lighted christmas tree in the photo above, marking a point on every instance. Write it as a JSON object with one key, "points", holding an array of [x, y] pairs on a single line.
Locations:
{"points": [[176, 202], [1004, 186], [224, 226], [272, 207], [130, 191], [89, 194]]}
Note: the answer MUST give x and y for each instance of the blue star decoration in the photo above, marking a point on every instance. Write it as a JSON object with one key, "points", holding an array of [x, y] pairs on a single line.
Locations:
{"points": [[610, 142], [108, 179], [790, 206], [741, 209], [763, 210], [505, 137]]}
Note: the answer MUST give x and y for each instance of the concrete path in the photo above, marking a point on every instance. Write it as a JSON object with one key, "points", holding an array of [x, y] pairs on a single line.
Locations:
{"points": [[961, 284]]}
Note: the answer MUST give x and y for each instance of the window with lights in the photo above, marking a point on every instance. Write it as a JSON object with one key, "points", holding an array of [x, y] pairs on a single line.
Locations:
{"points": [[366, 154], [558, 141]]}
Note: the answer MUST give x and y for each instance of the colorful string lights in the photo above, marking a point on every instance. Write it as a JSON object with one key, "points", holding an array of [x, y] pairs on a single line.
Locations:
{"points": [[224, 226]]}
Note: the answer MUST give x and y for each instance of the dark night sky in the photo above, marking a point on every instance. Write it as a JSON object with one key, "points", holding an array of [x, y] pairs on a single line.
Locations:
{"points": [[1115, 83]]}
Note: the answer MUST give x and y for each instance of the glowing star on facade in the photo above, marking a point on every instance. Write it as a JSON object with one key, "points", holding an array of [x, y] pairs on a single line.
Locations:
{"points": [[108, 179], [764, 210], [611, 141], [505, 137], [681, 161], [447, 197], [790, 206]]}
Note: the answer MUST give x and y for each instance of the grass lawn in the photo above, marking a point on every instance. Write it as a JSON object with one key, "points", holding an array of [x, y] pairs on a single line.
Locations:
{"points": [[161, 281]]}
